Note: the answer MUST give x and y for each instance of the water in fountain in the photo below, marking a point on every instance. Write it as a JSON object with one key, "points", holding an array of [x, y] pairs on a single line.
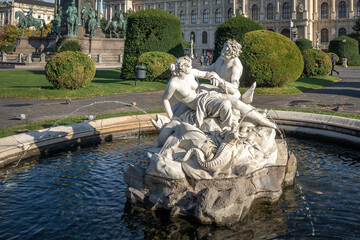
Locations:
{"points": [[81, 194]]}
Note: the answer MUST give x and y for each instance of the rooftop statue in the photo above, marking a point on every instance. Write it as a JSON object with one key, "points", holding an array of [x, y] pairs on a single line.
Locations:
{"points": [[29, 21], [215, 153], [72, 19], [92, 22]]}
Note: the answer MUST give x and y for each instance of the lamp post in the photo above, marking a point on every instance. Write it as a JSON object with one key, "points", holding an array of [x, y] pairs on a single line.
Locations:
{"points": [[191, 46], [344, 64]]}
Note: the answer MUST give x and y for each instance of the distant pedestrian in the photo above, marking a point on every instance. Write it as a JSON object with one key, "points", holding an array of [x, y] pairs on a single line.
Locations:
{"points": [[202, 58], [333, 63], [205, 60]]}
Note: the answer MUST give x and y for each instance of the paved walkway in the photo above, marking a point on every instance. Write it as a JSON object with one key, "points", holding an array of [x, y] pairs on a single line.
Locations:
{"points": [[344, 96]]}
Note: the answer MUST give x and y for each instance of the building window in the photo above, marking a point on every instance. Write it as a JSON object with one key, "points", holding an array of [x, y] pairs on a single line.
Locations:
{"points": [[358, 8], [342, 9], [324, 11], [193, 17], [231, 1], [182, 17], [171, 5], [286, 11], [193, 3], [230, 13], [324, 35], [342, 31], [206, 16], [161, 6], [206, 2], [255, 12], [218, 1], [204, 37], [270, 12], [218, 16], [286, 32]]}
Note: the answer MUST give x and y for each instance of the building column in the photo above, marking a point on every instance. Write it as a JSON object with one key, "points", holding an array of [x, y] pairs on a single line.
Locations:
{"points": [[56, 7], [262, 11], [294, 3], [111, 12], [98, 8], [175, 9], [315, 10], [244, 9], [277, 10], [333, 11], [351, 12]]}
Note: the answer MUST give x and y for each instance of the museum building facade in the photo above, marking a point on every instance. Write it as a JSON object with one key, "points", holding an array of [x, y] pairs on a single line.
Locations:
{"points": [[319, 20], [41, 10]]}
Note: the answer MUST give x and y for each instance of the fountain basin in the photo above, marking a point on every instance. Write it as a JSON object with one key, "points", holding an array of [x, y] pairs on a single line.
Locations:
{"points": [[338, 129]]}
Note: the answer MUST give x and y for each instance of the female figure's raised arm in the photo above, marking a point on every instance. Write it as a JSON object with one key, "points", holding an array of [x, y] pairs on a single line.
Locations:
{"points": [[168, 93]]}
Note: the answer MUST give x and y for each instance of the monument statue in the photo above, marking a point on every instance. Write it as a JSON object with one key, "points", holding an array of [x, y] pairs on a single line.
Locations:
{"points": [[56, 29], [85, 15], [29, 21], [120, 24], [92, 22], [215, 154], [72, 19]]}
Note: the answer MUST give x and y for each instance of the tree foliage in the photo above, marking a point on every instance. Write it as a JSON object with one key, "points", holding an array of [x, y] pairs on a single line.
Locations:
{"points": [[351, 49], [70, 70], [157, 65], [316, 63], [150, 30], [270, 59], [234, 28], [303, 44]]}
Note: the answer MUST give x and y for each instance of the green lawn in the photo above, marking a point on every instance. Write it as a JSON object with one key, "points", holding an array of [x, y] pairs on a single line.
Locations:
{"points": [[299, 86], [33, 84]]}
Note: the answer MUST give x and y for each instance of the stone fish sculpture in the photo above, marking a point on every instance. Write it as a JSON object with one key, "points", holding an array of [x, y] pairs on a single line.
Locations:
{"points": [[215, 153]]}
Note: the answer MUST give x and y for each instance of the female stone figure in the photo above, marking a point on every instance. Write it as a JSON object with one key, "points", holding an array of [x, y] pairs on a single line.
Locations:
{"points": [[184, 88]]}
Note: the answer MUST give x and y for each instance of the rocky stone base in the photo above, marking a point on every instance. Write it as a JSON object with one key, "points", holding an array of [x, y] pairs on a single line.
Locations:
{"points": [[220, 201]]}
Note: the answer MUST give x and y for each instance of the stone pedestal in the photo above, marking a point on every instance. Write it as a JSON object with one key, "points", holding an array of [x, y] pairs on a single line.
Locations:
{"points": [[344, 62], [33, 45]]}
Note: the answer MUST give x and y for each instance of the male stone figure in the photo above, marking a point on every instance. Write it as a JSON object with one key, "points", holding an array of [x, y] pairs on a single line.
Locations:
{"points": [[229, 67], [29, 16], [72, 19], [184, 88]]}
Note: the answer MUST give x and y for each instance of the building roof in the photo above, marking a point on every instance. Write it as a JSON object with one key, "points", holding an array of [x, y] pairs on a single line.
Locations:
{"points": [[35, 2]]}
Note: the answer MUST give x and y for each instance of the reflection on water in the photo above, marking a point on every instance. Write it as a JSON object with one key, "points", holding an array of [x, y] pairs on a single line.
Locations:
{"points": [[81, 195]]}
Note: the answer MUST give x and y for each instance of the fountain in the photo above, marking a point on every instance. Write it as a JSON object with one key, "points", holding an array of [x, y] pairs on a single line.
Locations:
{"points": [[215, 155]]}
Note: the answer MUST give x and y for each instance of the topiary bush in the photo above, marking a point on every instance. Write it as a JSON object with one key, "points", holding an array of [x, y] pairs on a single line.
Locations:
{"points": [[351, 49], [157, 65], [336, 57], [70, 70], [270, 59], [69, 45], [150, 30], [316, 63], [234, 28], [303, 44]]}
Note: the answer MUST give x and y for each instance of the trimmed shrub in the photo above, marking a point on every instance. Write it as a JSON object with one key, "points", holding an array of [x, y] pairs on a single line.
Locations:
{"points": [[157, 65], [69, 45], [351, 49], [316, 63], [303, 44], [7, 47], [70, 70], [336, 57], [270, 59], [234, 28], [150, 30]]}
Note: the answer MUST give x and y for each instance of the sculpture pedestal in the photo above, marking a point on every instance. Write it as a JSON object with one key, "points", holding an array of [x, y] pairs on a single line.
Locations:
{"points": [[223, 199], [27, 45]]}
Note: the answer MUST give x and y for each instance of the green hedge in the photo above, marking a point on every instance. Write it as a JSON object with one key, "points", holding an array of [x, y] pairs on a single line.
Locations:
{"points": [[7, 47], [351, 49], [157, 65], [234, 28], [270, 59], [303, 44], [316, 63], [69, 45], [151, 30], [70, 70]]}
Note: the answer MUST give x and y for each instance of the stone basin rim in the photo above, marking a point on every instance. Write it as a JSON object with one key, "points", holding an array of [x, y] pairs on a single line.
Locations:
{"points": [[332, 128]]}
